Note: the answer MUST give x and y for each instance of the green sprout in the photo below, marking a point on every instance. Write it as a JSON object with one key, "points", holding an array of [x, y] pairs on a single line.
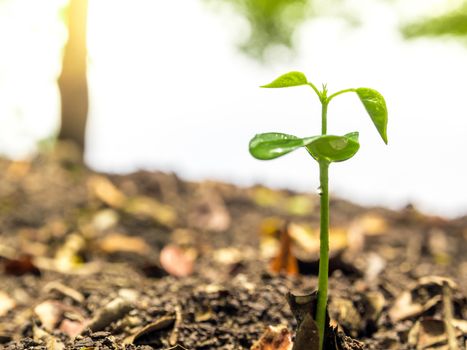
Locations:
{"points": [[325, 149]]}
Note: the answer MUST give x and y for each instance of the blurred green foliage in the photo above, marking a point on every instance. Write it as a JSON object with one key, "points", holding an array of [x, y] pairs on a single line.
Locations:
{"points": [[452, 23], [272, 22]]}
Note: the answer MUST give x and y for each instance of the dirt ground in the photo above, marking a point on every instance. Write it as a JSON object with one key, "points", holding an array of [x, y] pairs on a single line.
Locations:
{"points": [[149, 261]]}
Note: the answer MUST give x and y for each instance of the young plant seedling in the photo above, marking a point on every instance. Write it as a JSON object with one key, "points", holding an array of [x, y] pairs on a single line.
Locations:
{"points": [[325, 149]]}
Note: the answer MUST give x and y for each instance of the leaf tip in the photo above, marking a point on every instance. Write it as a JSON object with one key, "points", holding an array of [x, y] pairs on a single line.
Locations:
{"points": [[384, 135]]}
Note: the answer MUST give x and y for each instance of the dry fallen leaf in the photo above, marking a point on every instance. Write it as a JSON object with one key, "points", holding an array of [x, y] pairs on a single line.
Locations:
{"points": [[68, 257], [266, 197], [111, 312], [376, 303], [405, 307], [375, 265], [274, 338], [210, 213], [21, 266], [306, 240], [460, 325], [105, 219], [49, 313], [285, 261], [269, 232], [428, 333], [426, 294], [153, 327], [6, 303], [346, 314], [117, 242], [176, 261], [72, 328], [370, 224], [143, 206], [64, 290], [300, 205], [106, 191], [52, 313]]}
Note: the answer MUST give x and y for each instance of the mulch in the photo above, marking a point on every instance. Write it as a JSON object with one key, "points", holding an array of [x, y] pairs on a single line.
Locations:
{"points": [[150, 261]]}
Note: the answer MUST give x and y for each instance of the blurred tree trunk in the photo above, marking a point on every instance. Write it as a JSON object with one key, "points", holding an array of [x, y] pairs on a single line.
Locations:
{"points": [[72, 81]]}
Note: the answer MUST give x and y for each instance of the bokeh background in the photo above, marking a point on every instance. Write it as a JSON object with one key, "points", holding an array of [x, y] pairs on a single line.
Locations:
{"points": [[173, 86]]}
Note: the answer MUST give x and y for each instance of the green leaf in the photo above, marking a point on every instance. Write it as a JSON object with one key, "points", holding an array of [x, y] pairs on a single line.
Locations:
{"points": [[376, 107], [330, 148], [273, 145], [333, 148], [287, 80]]}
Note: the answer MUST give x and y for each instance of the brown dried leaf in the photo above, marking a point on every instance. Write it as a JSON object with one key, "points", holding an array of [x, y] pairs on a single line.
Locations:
{"points": [[306, 239], [64, 290], [6, 303], [48, 264], [460, 325], [176, 261], [438, 281], [371, 224], [21, 266], [376, 302], [300, 205], [105, 219], [428, 333], [117, 242], [346, 314], [427, 293], [148, 207], [375, 265], [269, 232], [271, 226], [72, 328], [160, 324], [274, 338], [105, 190], [405, 307], [233, 255], [285, 261], [68, 256], [50, 313], [266, 197], [210, 213], [111, 312]]}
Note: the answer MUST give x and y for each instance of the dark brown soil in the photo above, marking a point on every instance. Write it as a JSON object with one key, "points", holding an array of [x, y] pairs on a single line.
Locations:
{"points": [[148, 261]]}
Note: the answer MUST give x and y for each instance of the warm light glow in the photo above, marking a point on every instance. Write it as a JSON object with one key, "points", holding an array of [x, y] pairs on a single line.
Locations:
{"points": [[31, 37], [166, 79]]}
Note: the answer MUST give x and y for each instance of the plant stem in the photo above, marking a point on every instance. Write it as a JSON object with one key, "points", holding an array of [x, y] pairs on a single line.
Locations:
{"points": [[324, 121], [338, 93], [324, 236], [315, 89], [323, 252]]}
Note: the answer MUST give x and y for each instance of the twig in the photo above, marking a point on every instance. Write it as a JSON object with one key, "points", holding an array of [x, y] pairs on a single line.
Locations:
{"points": [[448, 316]]}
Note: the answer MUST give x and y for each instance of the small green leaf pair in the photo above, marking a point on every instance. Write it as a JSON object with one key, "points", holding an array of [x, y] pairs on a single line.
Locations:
{"points": [[329, 148]]}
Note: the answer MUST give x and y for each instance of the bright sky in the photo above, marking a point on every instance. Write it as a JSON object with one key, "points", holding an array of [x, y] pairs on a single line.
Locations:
{"points": [[170, 91]]}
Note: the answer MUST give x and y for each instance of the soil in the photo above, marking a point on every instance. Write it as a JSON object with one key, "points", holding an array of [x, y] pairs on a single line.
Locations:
{"points": [[149, 261]]}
